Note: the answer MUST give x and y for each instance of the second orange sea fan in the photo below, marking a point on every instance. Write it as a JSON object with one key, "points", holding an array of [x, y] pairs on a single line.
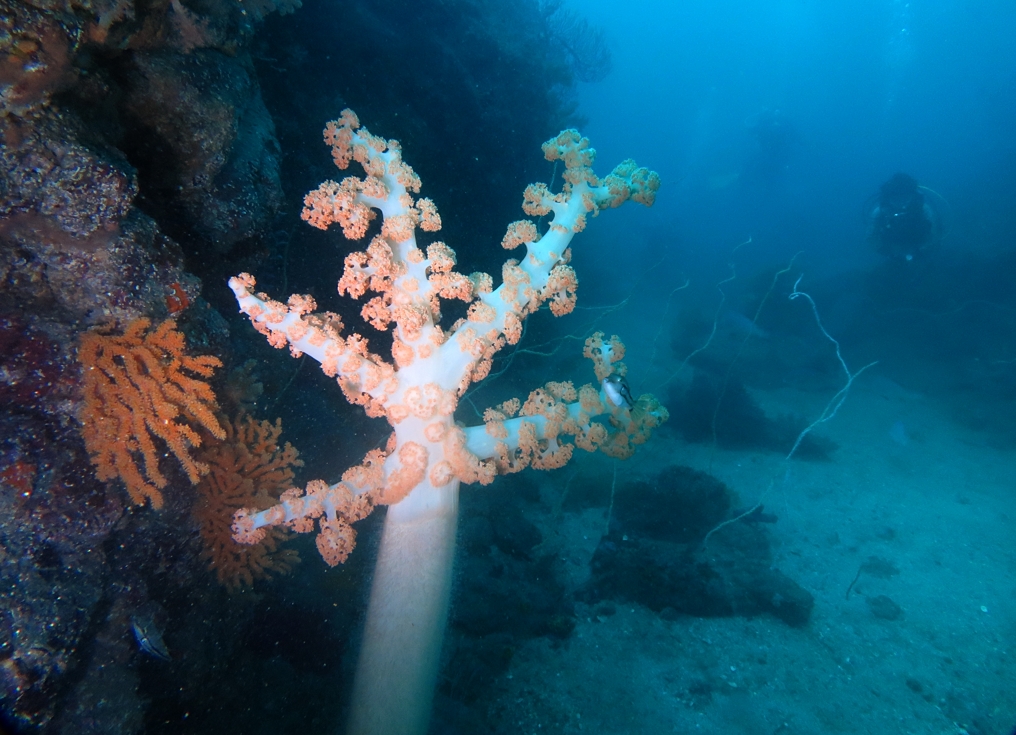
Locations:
{"points": [[247, 470]]}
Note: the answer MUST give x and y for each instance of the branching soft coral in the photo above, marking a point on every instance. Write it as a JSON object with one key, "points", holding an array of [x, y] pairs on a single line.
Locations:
{"points": [[429, 453]]}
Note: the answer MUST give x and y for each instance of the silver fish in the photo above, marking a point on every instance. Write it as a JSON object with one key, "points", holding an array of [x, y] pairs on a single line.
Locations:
{"points": [[149, 637], [616, 389]]}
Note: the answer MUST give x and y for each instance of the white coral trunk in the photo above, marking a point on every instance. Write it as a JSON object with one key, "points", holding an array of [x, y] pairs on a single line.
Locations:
{"points": [[398, 664]]}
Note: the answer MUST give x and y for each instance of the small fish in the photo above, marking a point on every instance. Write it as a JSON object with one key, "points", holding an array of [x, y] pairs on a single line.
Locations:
{"points": [[149, 637], [617, 391]]}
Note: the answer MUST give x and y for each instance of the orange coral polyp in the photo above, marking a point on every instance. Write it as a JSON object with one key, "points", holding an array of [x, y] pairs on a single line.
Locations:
{"points": [[374, 188], [562, 284], [243, 531], [554, 457], [519, 233], [512, 328], [452, 286], [440, 257], [430, 220], [335, 542], [441, 474], [412, 318], [399, 227], [534, 200], [402, 353], [434, 431], [413, 458], [397, 413], [481, 312], [494, 421]]}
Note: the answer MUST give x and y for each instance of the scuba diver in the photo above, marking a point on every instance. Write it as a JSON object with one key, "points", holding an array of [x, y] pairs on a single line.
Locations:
{"points": [[902, 222]]}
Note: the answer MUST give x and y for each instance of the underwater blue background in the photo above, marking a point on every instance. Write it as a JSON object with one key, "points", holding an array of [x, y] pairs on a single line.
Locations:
{"points": [[818, 540], [870, 88]]}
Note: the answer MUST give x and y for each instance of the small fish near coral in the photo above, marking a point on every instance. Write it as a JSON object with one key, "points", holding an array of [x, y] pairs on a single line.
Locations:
{"points": [[149, 637]]}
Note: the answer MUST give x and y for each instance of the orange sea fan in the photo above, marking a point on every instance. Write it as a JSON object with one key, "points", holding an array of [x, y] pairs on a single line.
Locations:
{"points": [[140, 387], [248, 469]]}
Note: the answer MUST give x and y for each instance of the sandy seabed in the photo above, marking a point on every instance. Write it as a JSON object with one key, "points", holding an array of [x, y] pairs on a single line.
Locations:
{"points": [[907, 485]]}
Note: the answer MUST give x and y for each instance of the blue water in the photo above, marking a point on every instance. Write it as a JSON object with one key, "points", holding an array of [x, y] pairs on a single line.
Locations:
{"points": [[818, 540]]}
